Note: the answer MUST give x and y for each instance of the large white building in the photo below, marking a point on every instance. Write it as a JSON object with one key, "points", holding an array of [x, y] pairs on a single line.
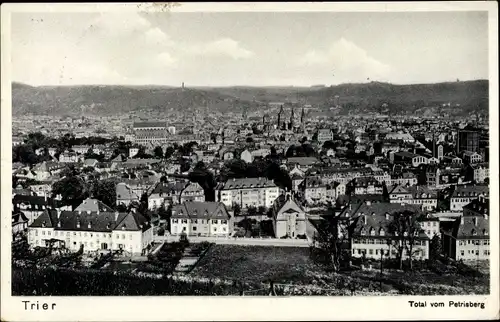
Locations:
{"points": [[205, 219], [371, 236], [464, 194], [248, 192], [94, 230], [151, 133]]}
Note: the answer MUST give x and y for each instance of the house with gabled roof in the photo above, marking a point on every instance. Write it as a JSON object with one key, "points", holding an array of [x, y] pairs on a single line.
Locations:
{"points": [[205, 219], [468, 238], [95, 231], [370, 234], [289, 218], [93, 205]]}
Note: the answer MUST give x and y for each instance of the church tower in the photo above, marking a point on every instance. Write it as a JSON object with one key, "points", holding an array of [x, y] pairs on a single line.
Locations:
{"points": [[280, 113], [302, 120]]}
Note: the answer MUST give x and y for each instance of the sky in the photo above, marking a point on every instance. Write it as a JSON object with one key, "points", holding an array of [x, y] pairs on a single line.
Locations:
{"points": [[253, 48]]}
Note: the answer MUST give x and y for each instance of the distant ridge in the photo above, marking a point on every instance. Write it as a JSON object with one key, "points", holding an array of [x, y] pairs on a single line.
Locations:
{"points": [[464, 97]]}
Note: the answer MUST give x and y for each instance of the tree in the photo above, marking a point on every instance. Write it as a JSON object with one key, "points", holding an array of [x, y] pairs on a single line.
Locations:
{"points": [[405, 230], [435, 248], [169, 151], [249, 139], [158, 152], [105, 191], [72, 189], [236, 209], [330, 239]]}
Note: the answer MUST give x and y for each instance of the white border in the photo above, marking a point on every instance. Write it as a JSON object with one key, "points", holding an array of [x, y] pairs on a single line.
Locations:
{"points": [[238, 308]]}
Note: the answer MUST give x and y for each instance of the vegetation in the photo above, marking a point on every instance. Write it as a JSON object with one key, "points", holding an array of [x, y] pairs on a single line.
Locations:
{"points": [[355, 98]]}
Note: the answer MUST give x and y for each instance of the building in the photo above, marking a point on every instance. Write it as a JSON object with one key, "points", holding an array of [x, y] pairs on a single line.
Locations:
{"points": [[302, 163], [468, 140], [470, 157], [364, 185], [125, 195], [409, 158], [33, 206], [477, 172], [19, 222], [205, 219], [94, 231], [414, 195], [469, 238], [289, 219], [465, 194], [371, 236], [432, 176], [325, 135], [405, 137], [154, 133], [70, 157], [430, 225], [248, 192], [314, 190], [81, 149], [93, 205]]}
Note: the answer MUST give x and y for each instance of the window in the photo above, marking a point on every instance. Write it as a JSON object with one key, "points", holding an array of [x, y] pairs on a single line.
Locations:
{"points": [[130, 236], [74, 233], [215, 221], [359, 251], [370, 251], [67, 234], [224, 229], [174, 221], [195, 228], [43, 232], [224, 222], [85, 234], [462, 253]]}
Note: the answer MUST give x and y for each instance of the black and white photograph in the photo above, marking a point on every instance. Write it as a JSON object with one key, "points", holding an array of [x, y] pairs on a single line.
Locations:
{"points": [[160, 151]]}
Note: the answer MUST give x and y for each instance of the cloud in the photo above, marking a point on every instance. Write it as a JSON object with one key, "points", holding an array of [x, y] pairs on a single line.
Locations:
{"points": [[346, 60], [119, 24], [156, 36], [225, 47], [166, 59]]}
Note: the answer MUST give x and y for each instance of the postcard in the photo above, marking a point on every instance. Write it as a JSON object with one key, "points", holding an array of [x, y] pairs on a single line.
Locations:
{"points": [[249, 161]]}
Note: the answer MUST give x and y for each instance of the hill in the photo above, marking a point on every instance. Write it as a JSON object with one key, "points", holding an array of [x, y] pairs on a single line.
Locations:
{"points": [[464, 98]]}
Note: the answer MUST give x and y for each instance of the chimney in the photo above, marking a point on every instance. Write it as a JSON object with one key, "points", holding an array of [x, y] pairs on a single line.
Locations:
{"points": [[116, 215], [59, 224], [364, 219]]}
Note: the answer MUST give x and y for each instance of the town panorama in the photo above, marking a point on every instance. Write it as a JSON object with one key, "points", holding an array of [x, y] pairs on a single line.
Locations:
{"points": [[362, 170]]}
